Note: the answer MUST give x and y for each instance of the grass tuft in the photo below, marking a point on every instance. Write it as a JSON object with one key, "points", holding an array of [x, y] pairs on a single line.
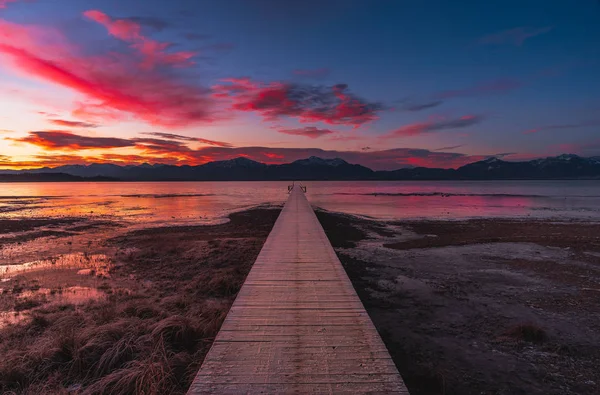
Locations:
{"points": [[177, 332]]}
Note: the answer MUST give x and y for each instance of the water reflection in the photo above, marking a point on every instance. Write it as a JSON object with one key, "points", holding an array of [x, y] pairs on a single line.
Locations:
{"points": [[72, 295], [172, 203], [97, 264]]}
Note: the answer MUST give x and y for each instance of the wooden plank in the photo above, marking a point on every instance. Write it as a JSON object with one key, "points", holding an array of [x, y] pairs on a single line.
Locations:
{"points": [[297, 325]]}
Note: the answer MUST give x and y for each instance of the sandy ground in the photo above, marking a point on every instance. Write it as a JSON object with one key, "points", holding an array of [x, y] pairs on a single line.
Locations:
{"points": [[481, 306]]}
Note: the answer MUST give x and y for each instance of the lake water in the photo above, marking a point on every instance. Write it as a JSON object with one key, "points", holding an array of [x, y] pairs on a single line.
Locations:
{"points": [[147, 203]]}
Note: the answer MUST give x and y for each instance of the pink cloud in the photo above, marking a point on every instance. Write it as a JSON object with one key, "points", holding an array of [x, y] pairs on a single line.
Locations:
{"points": [[309, 131], [307, 103], [127, 30], [417, 129], [273, 156], [345, 137], [3, 3], [112, 86]]}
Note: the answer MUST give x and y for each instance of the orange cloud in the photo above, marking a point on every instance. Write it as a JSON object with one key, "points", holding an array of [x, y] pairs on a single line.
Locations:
{"points": [[62, 140], [173, 151]]}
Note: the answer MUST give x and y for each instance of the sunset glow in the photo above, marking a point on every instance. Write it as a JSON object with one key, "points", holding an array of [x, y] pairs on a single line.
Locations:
{"points": [[96, 82]]}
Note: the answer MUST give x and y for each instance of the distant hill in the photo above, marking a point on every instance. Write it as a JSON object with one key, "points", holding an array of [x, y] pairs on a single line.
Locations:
{"points": [[242, 169]]}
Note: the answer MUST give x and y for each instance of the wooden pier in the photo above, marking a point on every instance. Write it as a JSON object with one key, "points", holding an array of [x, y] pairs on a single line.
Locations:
{"points": [[297, 325]]}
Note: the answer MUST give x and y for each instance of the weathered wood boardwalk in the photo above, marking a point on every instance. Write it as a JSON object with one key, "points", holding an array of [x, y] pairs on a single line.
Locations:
{"points": [[297, 325]]}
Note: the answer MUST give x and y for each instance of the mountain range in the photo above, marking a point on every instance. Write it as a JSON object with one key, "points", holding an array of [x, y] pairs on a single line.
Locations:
{"points": [[565, 166]]}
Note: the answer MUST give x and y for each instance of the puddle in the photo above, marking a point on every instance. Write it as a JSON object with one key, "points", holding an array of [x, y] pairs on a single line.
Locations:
{"points": [[98, 264], [72, 295]]}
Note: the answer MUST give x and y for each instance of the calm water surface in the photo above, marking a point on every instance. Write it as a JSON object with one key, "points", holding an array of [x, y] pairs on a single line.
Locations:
{"points": [[209, 202]]}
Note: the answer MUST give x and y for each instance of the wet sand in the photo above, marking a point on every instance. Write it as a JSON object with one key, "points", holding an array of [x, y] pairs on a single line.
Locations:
{"points": [[480, 306], [108, 310]]}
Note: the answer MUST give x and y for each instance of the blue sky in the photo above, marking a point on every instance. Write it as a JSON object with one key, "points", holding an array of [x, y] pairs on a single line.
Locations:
{"points": [[369, 80]]}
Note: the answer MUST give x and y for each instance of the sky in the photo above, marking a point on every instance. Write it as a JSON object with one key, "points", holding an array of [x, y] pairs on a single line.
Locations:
{"points": [[386, 83]]}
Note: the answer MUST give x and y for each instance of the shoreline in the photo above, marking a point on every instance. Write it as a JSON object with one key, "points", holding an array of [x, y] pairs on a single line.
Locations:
{"points": [[78, 179]]}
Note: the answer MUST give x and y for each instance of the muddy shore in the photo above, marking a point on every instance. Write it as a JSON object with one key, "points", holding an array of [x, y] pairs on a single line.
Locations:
{"points": [[480, 306], [131, 313], [473, 307]]}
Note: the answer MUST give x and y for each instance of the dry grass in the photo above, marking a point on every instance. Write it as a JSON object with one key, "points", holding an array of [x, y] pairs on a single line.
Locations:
{"points": [[105, 348], [151, 340]]}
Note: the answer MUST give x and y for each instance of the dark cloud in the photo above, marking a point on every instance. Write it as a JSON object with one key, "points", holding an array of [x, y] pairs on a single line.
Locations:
{"points": [[312, 73], [422, 106], [450, 147], [565, 126], [307, 103], [73, 124], [503, 154], [66, 140], [416, 129], [516, 36], [171, 136], [61, 139], [458, 123]]}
